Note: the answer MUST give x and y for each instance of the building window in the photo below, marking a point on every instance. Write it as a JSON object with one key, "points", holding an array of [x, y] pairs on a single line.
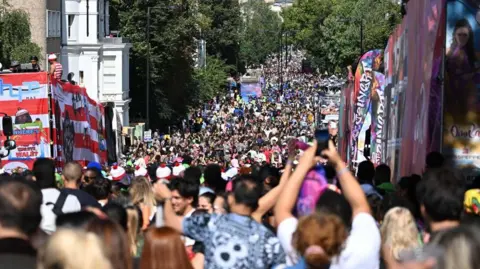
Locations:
{"points": [[71, 20], [53, 23], [72, 26], [81, 77]]}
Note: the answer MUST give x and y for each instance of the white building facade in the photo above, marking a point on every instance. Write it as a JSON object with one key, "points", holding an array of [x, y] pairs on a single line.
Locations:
{"points": [[99, 63]]}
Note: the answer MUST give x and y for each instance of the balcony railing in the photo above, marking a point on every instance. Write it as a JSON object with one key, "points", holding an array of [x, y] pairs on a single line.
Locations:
{"points": [[114, 40]]}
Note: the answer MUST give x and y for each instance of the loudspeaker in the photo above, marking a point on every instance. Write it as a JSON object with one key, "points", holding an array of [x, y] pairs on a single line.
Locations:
{"points": [[7, 125]]}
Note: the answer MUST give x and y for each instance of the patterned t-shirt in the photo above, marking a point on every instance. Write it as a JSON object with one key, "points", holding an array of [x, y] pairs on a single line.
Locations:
{"points": [[234, 241]]}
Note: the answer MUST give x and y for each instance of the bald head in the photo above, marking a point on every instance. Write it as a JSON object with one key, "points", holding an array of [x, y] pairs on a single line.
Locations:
{"points": [[72, 172]]}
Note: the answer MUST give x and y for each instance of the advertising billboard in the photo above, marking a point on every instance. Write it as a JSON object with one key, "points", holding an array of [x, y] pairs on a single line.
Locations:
{"points": [[413, 90], [461, 118], [24, 97], [250, 89], [363, 101]]}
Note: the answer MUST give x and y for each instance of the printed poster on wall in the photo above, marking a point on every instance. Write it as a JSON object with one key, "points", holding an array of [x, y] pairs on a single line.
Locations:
{"points": [[24, 97], [461, 119]]}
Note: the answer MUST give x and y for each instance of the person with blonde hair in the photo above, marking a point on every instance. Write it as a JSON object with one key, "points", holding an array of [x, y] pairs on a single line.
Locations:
{"points": [[399, 233], [141, 194], [133, 230], [88, 253]]}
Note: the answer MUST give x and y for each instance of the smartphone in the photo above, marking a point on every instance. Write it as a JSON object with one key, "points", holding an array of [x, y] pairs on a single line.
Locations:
{"points": [[322, 136]]}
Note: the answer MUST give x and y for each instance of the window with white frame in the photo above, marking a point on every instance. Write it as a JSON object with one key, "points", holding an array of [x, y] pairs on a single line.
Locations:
{"points": [[53, 23]]}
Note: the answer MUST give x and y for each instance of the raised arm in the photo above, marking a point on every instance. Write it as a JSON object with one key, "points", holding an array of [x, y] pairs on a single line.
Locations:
{"points": [[268, 200], [350, 187]]}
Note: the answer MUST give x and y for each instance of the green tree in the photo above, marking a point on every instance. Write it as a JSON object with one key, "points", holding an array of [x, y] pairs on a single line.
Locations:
{"points": [[15, 37], [172, 45], [210, 80], [260, 32], [219, 22], [330, 29]]}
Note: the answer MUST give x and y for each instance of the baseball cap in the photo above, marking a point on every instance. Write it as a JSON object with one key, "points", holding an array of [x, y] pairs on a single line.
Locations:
{"points": [[94, 165]]}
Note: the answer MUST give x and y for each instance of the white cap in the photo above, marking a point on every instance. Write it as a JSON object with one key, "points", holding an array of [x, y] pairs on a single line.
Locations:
{"points": [[333, 125], [140, 171], [163, 172], [117, 173], [178, 169], [52, 57], [21, 112]]}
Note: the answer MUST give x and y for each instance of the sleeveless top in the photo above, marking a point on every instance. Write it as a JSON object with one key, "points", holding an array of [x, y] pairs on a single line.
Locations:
{"points": [[58, 71]]}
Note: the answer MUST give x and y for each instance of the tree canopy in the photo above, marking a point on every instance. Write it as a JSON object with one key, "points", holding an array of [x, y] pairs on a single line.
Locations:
{"points": [[260, 32], [172, 33], [219, 22], [175, 30], [15, 37], [236, 36], [210, 80], [329, 30]]}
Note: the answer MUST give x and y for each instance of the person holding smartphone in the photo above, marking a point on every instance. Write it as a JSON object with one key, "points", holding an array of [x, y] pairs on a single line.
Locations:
{"points": [[362, 247]]}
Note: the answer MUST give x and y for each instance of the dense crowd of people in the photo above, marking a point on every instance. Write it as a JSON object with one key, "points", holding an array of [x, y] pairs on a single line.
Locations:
{"points": [[179, 222], [237, 130], [240, 187]]}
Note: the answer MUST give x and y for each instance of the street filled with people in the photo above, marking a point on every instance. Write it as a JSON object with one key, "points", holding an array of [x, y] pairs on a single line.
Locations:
{"points": [[245, 183]]}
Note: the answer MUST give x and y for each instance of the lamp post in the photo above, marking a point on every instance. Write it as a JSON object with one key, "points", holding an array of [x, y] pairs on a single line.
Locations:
{"points": [[279, 60], [361, 38], [149, 10]]}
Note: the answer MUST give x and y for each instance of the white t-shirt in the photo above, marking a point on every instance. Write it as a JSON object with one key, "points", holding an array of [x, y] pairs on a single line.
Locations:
{"points": [[362, 249], [50, 197]]}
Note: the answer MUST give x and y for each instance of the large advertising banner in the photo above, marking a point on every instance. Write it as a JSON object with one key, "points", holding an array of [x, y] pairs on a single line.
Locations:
{"points": [[396, 78], [424, 29], [413, 68], [24, 97], [436, 80], [461, 119], [345, 121], [79, 131], [250, 89], [362, 98], [378, 117]]}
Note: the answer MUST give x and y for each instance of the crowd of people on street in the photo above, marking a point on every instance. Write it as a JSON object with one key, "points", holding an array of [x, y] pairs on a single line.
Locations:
{"points": [[239, 187]]}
